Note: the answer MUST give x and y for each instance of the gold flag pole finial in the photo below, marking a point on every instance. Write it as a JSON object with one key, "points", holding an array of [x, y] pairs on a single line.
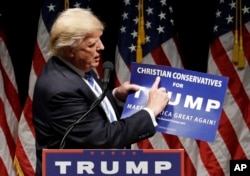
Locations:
{"points": [[66, 4], [236, 42], [141, 32], [241, 59]]}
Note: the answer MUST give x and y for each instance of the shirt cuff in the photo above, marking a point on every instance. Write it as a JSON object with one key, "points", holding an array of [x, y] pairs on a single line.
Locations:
{"points": [[119, 102], [152, 116]]}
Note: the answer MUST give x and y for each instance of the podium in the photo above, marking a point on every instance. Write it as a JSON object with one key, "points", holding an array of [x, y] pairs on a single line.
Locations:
{"points": [[74, 162]]}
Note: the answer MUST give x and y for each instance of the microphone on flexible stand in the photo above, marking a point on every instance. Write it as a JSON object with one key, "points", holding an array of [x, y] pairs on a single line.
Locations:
{"points": [[107, 69]]}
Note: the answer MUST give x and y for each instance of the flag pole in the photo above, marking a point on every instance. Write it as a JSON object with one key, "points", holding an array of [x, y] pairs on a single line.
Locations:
{"points": [[141, 32], [241, 60], [66, 4]]}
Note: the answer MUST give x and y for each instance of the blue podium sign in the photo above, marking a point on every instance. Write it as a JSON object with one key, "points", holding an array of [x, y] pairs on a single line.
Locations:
{"points": [[69, 162], [196, 100]]}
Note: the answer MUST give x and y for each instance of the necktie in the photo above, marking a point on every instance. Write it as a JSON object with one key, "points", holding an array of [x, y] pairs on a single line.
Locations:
{"points": [[91, 82], [98, 91]]}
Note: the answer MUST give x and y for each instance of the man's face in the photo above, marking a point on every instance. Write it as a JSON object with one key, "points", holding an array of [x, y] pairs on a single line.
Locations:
{"points": [[88, 54]]}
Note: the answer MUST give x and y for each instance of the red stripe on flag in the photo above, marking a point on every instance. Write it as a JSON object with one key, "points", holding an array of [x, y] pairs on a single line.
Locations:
{"points": [[7, 133], [11, 93], [159, 56], [24, 161], [3, 168], [28, 114], [209, 159], [230, 138], [145, 144], [38, 60]]}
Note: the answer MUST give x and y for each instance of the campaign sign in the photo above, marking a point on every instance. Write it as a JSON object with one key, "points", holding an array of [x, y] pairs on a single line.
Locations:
{"points": [[69, 162], [196, 100]]}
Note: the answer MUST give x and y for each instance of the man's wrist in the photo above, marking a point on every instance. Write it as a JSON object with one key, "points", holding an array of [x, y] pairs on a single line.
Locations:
{"points": [[118, 101]]}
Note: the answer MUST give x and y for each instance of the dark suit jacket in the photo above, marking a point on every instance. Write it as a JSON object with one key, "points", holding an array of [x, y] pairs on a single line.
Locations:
{"points": [[61, 97]]}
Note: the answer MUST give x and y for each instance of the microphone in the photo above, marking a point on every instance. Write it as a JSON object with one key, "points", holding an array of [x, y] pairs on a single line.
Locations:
{"points": [[107, 68]]}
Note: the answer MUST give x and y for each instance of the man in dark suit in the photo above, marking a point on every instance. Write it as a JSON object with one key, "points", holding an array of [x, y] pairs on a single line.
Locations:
{"points": [[63, 95]]}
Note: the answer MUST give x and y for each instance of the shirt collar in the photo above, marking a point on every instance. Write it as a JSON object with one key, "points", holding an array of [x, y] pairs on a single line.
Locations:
{"points": [[77, 70]]}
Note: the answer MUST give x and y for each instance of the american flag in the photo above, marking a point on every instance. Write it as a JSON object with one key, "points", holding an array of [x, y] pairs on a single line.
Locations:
{"points": [[232, 140], [233, 136], [25, 159], [10, 107]]}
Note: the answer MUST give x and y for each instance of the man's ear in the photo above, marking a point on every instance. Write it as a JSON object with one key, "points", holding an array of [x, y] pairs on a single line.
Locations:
{"points": [[68, 51]]}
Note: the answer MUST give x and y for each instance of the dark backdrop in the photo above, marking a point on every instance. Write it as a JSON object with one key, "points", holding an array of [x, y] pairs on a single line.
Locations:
{"points": [[194, 23]]}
